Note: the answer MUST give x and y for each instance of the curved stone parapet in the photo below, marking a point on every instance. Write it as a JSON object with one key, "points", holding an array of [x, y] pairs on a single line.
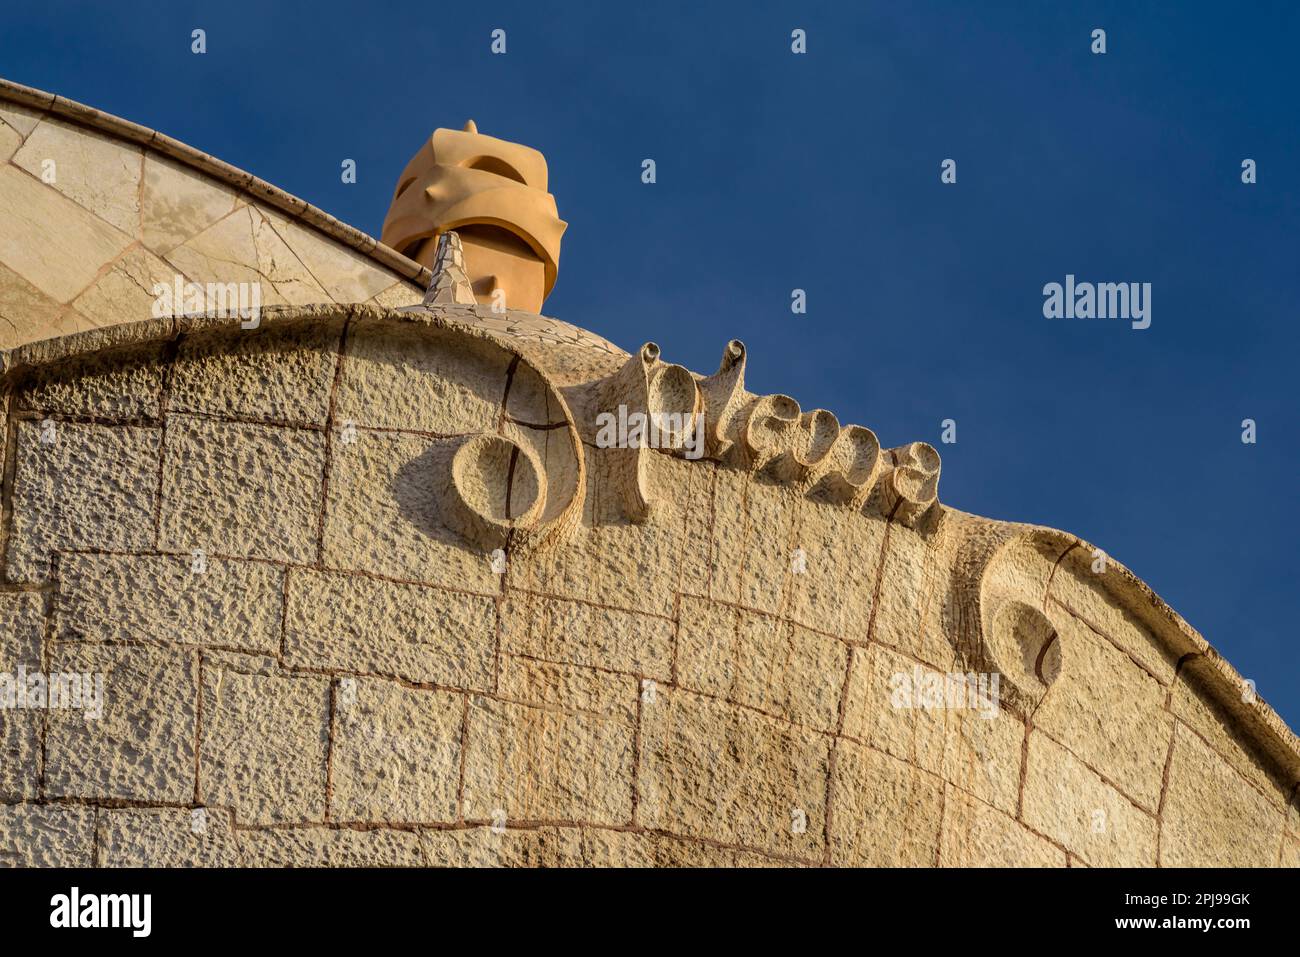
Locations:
{"points": [[376, 594]]}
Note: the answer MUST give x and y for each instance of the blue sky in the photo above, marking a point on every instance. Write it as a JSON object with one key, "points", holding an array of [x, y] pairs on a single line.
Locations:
{"points": [[821, 172]]}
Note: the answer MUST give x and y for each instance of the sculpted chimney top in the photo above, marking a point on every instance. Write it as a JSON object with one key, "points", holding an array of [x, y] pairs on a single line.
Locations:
{"points": [[494, 195]]}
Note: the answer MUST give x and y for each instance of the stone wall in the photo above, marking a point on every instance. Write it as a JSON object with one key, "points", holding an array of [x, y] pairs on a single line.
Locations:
{"points": [[328, 636]]}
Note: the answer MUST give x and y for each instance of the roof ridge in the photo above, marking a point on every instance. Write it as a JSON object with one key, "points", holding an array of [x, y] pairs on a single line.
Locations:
{"points": [[295, 208]]}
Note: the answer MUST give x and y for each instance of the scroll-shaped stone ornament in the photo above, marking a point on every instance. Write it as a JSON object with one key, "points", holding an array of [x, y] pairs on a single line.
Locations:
{"points": [[912, 485], [812, 449], [843, 464], [725, 400], [772, 432], [769, 431], [675, 408], [627, 391], [998, 612], [808, 444], [656, 405], [850, 470], [522, 484], [497, 487]]}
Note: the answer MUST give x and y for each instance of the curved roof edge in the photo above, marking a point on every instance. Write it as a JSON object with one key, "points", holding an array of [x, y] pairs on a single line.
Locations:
{"points": [[293, 207], [1185, 644], [1259, 718]]}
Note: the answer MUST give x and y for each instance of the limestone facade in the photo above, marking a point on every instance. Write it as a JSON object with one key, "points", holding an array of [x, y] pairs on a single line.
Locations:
{"points": [[365, 587]]}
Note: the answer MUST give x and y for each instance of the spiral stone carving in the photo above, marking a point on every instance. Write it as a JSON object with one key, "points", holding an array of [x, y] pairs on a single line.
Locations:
{"points": [[665, 408], [659, 393], [912, 485], [498, 487], [522, 484], [811, 449]]}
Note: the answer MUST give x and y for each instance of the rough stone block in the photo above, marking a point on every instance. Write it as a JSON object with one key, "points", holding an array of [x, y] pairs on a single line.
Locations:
{"points": [[395, 753], [250, 491], [385, 513], [760, 661], [835, 590], [637, 566], [569, 687], [1200, 709], [609, 559], [1212, 816], [976, 835], [884, 812], [118, 384], [22, 630], [277, 374], [504, 847], [221, 659], [913, 583], [366, 625], [1108, 711], [1290, 852], [142, 746], [667, 850], [263, 746], [330, 847], [81, 487], [983, 755], [727, 533], [574, 632], [543, 764], [1078, 590], [166, 837], [603, 847], [767, 559], [411, 376], [1071, 804], [975, 743], [696, 564], [579, 847], [713, 770], [609, 848], [54, 835], [209, 602]]}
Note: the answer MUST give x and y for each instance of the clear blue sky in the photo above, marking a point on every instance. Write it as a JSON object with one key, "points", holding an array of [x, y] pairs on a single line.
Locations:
{"points": [[821, 171]]}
